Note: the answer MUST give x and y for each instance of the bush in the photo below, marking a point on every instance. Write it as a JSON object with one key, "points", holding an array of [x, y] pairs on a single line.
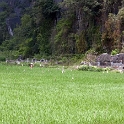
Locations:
{"points": [[114, 52], [2, 58], [90, 68]]}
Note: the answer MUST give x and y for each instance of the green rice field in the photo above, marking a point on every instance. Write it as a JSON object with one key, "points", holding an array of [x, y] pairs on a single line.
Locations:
{"points": [[48, 96]]}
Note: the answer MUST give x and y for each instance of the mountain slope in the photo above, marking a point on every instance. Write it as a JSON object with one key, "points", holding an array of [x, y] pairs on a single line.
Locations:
{"points": [[48, 27]]}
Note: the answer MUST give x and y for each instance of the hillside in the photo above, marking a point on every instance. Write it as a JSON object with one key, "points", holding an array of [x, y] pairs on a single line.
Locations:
{"points": [[47, 27]]}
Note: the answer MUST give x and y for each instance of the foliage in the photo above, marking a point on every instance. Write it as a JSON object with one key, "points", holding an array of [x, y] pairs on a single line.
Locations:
{"points": [[8, 54], [69, 27], [121, 15], [112, 35], [81, 43], [2, 57], [64, 29], [33, 35], [81, 40], [49, 8], [114, 52], [90, 68]]}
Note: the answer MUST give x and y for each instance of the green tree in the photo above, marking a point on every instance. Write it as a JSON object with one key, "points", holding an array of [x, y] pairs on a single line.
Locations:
{"points": [[32, 36]]}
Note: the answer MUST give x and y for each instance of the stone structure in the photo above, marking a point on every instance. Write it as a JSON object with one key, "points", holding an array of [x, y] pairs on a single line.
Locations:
{"points": [[110, 60], [104, 59]]}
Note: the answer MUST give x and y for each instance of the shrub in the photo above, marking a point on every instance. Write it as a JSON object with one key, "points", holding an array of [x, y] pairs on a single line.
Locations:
{"points": [[2, 58], [90, 68], [114, 52]]}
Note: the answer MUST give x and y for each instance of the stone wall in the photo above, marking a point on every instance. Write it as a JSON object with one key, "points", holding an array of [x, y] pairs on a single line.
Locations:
{"points": [[107, 59]]}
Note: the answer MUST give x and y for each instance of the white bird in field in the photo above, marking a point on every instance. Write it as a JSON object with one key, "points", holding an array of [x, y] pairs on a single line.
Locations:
{"points": [[121, 71], [63, 69]]}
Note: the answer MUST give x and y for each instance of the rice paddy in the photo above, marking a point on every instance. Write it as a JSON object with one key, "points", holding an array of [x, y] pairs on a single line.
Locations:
{"points": [[48, 96]]}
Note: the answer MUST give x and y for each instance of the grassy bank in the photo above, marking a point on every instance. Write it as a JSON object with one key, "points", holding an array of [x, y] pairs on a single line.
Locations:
{"points": [[48, 96]]}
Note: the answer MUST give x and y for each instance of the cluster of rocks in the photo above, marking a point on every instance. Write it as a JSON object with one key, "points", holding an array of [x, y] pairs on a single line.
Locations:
{"points": [[114, 61], [107, 59]]}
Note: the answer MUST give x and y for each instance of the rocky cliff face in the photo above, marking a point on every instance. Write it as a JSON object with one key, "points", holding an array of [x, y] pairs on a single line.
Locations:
{"points": [[17, 6], [58, 1], [79, 25], [13, 3]]}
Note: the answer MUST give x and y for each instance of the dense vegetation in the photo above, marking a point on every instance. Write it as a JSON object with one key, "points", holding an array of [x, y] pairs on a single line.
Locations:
{"points": [[69, 27]]}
